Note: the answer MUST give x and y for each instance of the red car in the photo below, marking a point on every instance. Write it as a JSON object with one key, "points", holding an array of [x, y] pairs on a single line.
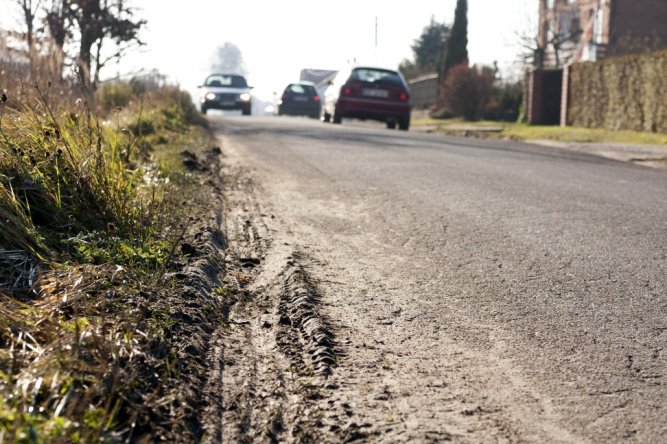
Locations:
{"points": [[366, 92]]}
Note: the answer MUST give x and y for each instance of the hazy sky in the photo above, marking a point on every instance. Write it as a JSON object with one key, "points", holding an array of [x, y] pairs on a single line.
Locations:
{"points": [[279, 38]]}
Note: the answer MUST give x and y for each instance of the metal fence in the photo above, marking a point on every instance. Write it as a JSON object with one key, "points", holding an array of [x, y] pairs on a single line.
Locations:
{"points": [[424, 91]]}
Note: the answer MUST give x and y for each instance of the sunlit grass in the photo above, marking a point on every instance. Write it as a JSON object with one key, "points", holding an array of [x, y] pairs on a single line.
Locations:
{"points": [[520, 131], [444, 123], [84, 214], [577, 134]]}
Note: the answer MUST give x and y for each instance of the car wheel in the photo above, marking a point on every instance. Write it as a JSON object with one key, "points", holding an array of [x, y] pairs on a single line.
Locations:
{"points": [[203, 109], [337, 118], [391, 124], [404, 124], [246, 111]]}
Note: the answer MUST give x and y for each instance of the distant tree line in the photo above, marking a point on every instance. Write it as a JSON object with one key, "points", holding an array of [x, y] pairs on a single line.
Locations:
{"points": [[471, 92], [428, 51], [440, 46], [82, 34]]}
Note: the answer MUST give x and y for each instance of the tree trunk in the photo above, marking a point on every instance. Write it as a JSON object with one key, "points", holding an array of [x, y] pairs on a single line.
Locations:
{"points": [[55, 21], [29, 13], [84, 57]]}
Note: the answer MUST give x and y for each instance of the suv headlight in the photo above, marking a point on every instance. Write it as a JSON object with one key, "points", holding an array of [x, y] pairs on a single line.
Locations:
{"points": [[244, 97], [210, 96]]}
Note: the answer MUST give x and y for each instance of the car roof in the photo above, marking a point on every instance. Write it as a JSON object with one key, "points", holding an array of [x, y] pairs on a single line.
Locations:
{"points": [[224, 74], [381, 68]]}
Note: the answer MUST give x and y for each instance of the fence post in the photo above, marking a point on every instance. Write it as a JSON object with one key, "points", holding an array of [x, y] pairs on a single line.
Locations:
{"points": [[565, 96], [530, 105]]}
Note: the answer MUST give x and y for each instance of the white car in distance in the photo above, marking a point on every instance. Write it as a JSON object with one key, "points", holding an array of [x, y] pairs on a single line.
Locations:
{"points": [[225, 92]]}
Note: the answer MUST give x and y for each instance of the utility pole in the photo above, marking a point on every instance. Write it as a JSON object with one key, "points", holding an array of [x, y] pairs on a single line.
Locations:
{"points": [[376, 38]]}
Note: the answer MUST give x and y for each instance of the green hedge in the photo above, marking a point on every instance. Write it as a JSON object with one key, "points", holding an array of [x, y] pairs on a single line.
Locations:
{"points": [[620, 93]]}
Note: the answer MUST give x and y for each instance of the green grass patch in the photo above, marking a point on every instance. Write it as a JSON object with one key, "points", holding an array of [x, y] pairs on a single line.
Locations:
{"points": [[520, 131], [582, 135], [444, 123]]}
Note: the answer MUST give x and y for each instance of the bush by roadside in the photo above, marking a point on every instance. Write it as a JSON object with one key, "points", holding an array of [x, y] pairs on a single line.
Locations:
{"points": [[475, 92]]}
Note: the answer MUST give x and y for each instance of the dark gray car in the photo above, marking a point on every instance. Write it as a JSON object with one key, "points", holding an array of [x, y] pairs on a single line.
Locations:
{"points": [[300, 99]]}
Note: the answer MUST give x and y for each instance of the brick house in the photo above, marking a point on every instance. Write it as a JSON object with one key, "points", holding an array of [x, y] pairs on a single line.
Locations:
{"points": [[586, 30], [589, 30]]}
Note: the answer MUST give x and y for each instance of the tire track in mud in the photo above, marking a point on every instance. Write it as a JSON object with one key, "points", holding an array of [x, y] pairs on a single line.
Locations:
{"points": [[274, 354], [299, 314]]}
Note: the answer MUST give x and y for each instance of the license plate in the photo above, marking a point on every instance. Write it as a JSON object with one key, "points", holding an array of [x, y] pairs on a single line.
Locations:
{"points": [[228, 103], [383, 93], [300, 99]]}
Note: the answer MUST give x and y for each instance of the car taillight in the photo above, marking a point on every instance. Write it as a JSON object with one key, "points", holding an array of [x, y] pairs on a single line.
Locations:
{"points": [[316, 98], [347, 91], [403, 96]]}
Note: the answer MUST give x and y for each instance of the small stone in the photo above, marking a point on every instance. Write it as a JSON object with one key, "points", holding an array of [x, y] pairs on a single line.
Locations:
{"points": [[188, 249], [285, 320]]}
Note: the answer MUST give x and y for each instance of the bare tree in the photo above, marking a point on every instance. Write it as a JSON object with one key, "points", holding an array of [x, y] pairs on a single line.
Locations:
{"points": [[29, 9], [58, 25], [536, 51], [98, 21], [98, 30]]}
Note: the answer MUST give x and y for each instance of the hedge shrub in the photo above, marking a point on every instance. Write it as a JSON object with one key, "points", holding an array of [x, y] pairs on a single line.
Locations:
{"points": [[627, 92]]}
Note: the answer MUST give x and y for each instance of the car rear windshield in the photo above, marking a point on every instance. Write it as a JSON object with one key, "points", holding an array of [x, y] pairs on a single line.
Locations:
{"points": [[226, 80], [374, 75], [296, 88]]}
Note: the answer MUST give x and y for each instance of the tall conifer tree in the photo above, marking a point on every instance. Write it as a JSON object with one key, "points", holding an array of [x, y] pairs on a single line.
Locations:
{"points": [[456, 50]]}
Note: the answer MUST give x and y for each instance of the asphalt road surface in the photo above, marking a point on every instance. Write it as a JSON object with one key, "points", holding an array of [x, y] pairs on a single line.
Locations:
{"points": [[479, 291]]}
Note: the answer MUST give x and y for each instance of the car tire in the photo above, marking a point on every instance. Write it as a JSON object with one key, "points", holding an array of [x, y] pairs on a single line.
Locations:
{"points": [[391, 124], [203, 109], [337, 118], [246, 111], [404, 124]]}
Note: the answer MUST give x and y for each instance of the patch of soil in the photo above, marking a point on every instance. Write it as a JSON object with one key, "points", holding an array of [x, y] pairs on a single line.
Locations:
{"points": [[276, 350]]}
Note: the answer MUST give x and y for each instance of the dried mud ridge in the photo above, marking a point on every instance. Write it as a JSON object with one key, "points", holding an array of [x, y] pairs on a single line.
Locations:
{"points": [[170, 366], [298, 310]]}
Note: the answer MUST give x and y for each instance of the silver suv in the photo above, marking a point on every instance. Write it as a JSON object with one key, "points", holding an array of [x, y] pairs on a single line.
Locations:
{"points": [[225, 91]]}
